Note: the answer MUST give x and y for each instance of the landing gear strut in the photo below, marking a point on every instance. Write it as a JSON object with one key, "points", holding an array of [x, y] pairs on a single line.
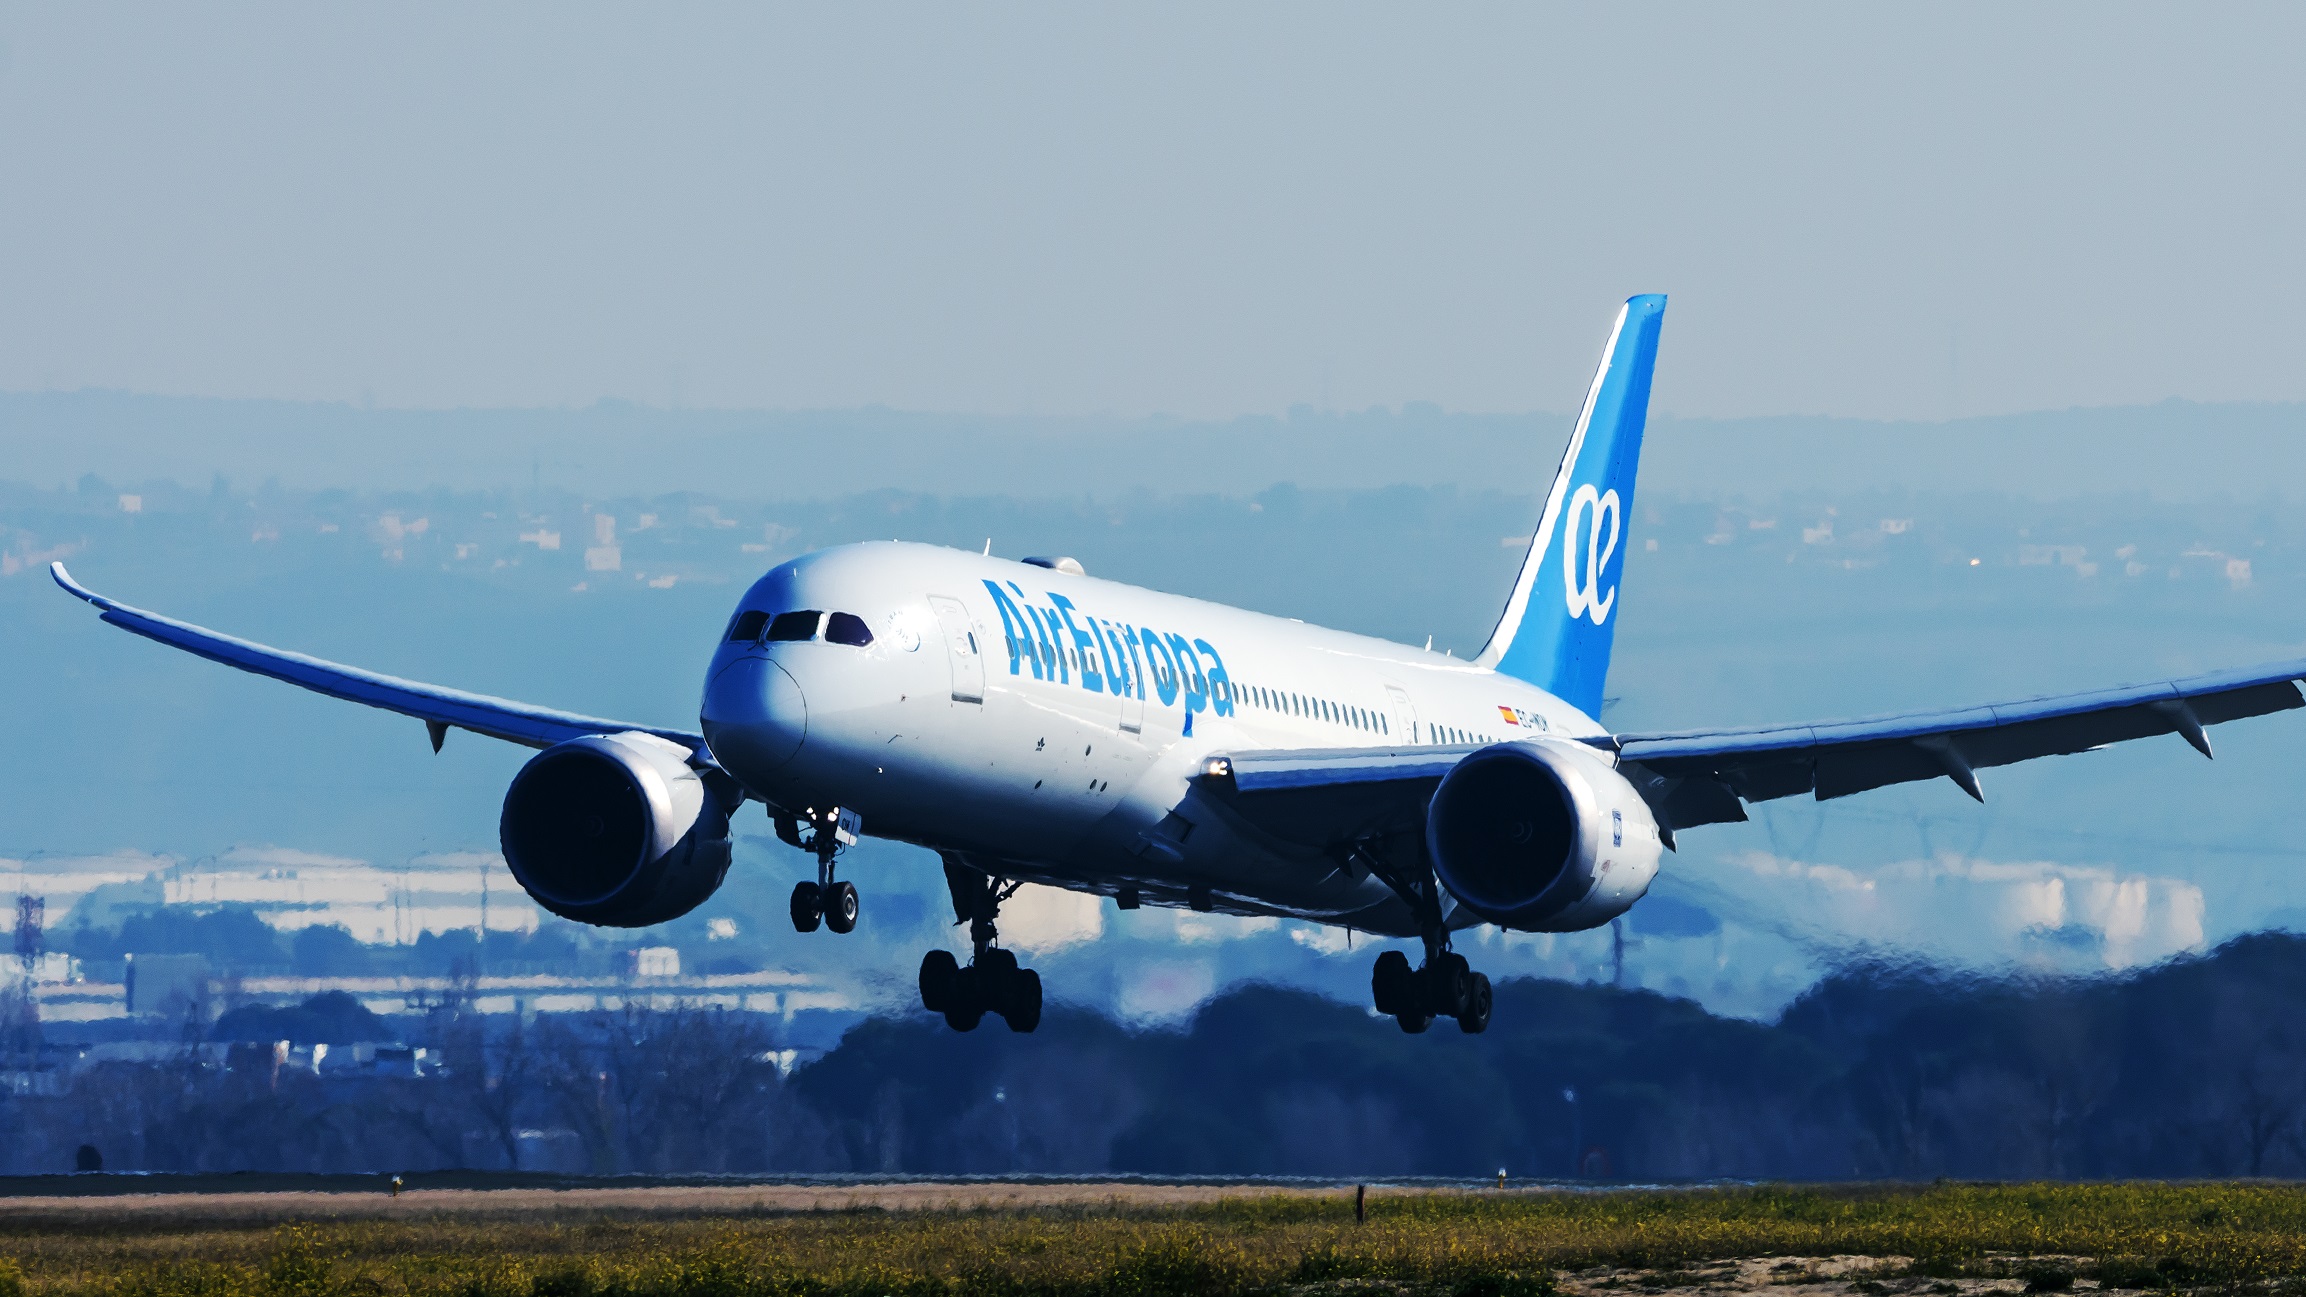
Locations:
{"points": [[1444, 986], [832, 903], [992, 982]]}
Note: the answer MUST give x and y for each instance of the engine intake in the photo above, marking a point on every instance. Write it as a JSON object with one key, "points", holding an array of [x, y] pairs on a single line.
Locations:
{"points": [[615, 830], [1542, 835]]}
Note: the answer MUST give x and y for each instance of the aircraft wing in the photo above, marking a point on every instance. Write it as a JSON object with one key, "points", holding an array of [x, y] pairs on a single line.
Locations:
{"points": [[1708, 773], [1325, 796], [438, 708], [1321, 796]]}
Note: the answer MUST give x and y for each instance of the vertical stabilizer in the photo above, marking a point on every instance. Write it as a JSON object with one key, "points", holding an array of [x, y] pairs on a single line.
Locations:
{"points": [[1558, 623]]}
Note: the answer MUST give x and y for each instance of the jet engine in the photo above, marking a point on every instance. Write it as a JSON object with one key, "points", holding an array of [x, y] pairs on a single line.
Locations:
{"points": [[615, 830], [1542, 835]]}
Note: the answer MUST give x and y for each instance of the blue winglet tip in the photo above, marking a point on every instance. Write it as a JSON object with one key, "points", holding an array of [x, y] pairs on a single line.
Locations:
{"points": [[72, 587]]}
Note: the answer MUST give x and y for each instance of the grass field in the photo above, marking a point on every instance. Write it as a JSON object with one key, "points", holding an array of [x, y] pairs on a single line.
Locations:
{"points": [[1942, 1241]]}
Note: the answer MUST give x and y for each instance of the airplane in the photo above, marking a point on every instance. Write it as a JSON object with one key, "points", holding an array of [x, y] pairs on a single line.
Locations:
{"points": [[1029, 722]]}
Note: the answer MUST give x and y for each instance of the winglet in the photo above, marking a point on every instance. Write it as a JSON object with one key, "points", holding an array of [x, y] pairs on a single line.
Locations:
{"points": [[64, 578]]}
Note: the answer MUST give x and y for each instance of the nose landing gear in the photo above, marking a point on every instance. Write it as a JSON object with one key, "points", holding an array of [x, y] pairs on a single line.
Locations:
{"points": [[830, 902], [991, 982]]}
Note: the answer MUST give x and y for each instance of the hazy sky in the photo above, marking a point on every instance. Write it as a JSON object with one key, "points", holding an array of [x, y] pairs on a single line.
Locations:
{"points": [[1203, 210]]}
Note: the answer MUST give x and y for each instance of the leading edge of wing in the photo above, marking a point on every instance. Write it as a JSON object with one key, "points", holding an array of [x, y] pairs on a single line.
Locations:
{"points": [[1767, 739], [502, 718]]}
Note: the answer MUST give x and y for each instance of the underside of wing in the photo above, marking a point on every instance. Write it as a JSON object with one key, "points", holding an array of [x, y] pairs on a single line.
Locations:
{"points": [[439, 708], [1705, 777], [1319, 797]]}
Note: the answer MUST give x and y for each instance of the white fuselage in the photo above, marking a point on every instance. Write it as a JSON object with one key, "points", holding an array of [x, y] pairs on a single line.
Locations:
{"points": [[1038, 724]]}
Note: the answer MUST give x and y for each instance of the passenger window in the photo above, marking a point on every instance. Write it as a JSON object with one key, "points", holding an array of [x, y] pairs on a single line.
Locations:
{"points": [[798, 625], [748, 625], [848, 628]]}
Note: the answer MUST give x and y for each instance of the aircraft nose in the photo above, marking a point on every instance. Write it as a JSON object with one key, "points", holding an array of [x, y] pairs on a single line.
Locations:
{"points": [[753, 716]]}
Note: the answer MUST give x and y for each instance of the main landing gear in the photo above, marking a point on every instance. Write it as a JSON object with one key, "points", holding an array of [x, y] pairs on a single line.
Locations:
{"points": [[1444, 986], [824, 901], [992, 982]]}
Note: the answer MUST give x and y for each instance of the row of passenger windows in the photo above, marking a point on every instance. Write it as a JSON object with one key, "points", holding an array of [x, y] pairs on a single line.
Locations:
{"points": [[1320, 709], [1359, 718], [754, 626]]}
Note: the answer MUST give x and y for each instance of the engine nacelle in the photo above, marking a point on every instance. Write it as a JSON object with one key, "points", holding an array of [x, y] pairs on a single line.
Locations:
{"points": [[1542, 835], [615, 830]]}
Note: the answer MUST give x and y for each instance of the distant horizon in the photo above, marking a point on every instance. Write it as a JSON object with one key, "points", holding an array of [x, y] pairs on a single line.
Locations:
{"points": [[1658, 414], [2174, 449]]}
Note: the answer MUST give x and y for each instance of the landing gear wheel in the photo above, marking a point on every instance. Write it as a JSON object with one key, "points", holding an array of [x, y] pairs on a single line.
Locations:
{"points": [[1474, 1019], [1021, 1003], [991, 982], [840, 905], [1414, 1023], [1392, 984], [1448, 986], [965, 1007], [940, 980], [807, 911]]}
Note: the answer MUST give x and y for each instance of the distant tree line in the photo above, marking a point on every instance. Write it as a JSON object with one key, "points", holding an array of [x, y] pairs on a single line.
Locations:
{"points": [[2193, 1068]]}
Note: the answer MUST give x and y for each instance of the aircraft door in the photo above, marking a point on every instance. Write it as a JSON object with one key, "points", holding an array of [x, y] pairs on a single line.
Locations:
{"points": [[961, 649], [1404, 714], [1132, 704]]}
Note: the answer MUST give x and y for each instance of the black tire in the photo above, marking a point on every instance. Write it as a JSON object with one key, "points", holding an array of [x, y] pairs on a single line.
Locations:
{"points": [[806, 911], [996, 966], [1414, 1023], [841, 907], [966, 1008], [1391, 984], [1448, 985], [1021, 1007], [1475, 1019], [940, 976]]}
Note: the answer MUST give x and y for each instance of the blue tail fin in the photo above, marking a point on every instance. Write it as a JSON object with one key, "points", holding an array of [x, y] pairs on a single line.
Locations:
{"points": [[1556, 629]]}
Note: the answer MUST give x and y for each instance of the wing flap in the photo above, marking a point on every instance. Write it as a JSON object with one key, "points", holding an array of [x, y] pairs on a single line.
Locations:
{"points": [[501, 718]]}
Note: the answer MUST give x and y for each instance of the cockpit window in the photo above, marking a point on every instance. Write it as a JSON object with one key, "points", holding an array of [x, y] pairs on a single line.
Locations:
{"points": [[848, 628], [748, 625], [798, 625]]}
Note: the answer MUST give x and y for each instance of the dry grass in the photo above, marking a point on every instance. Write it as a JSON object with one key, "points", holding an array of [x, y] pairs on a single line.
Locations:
{"points": [[1944, 1241]]}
